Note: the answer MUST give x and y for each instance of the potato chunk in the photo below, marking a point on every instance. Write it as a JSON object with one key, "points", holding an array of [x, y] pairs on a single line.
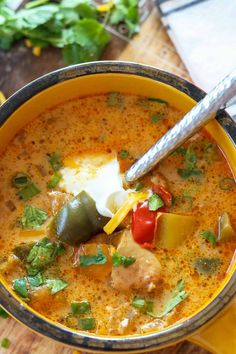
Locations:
{"points": [[172, 229], [143, 273]]}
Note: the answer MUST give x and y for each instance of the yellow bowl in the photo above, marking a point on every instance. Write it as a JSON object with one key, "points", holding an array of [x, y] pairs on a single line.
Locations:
{"points": [[219, 335]]}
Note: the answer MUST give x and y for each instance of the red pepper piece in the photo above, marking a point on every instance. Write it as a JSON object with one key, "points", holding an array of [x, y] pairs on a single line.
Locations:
{"points": [[164, 194], [143, 225]]}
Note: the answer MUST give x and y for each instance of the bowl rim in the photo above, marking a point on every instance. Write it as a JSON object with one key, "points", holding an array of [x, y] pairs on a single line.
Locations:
{"points": [[90, 342]]}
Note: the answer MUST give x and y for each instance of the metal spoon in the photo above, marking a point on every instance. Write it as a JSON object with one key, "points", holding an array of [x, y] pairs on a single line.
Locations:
{"points": [[201, 114]]}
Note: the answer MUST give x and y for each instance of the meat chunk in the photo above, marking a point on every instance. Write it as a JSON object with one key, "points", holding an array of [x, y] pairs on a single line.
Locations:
{"points": [[143, 273]]}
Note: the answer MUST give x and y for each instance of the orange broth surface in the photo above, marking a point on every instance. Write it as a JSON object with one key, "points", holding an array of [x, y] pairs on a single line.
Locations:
{"points": [[97, 124]]}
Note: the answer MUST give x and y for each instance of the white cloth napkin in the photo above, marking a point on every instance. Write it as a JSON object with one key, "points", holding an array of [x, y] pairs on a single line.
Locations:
{"points": [[204, 33]]}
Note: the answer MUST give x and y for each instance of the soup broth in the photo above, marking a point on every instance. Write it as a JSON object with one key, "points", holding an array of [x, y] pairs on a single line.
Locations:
{"points": [[169, 238]]}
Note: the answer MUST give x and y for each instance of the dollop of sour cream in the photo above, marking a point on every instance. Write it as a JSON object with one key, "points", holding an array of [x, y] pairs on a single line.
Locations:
{"points": [[98, 175]]}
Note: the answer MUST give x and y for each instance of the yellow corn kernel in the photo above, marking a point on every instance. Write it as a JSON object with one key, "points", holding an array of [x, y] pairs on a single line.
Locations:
{"points": [[105, 7], [37, 51], [28, 43], [2, 98]]}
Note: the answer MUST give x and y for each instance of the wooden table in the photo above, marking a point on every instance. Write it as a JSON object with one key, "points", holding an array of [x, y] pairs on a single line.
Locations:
{"points": [[17, 67]]}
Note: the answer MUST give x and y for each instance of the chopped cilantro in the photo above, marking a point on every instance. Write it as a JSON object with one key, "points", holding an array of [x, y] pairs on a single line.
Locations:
{"points": [[124, 154], [190, 161], [115, 99], [183, 201], [156, 117], [138, 186], [87, 323], [71, 320], [210, 152], [178, 295], [60, 249], [185, 173], [139, 302], [36, 281], [20, 287], [28, 192], [85, 41], [56, 285], [79, 308], [207, 266], [150, 305], [3, 313], [209, 236], [33, 217], [155, 202], [126, 12], [99, 258], [20, 180], [5, 343], [35, 3], [41, 254], [54, 180], [158, 100], [55, 161], [143, 304], [180, 150], [227, 183], [118, 260]]}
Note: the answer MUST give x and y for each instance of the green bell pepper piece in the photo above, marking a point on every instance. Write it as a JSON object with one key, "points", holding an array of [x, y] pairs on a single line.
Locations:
{"points": [[79, 220]]}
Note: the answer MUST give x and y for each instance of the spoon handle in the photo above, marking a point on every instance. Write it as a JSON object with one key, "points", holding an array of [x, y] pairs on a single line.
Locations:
{"points": [[198, 116]]}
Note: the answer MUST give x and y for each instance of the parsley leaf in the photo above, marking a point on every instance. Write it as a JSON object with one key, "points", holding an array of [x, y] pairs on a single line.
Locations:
{"points": [[56, 285], [209, 236], [99, 258], [118, 259], [155, 202], [33, 217]]}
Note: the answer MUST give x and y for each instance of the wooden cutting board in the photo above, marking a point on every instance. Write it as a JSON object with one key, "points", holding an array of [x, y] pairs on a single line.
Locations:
{"points": [[152, 46]]}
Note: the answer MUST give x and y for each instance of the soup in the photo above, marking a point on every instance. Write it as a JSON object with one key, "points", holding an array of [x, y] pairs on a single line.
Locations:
{"points": [[87, 250]]}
